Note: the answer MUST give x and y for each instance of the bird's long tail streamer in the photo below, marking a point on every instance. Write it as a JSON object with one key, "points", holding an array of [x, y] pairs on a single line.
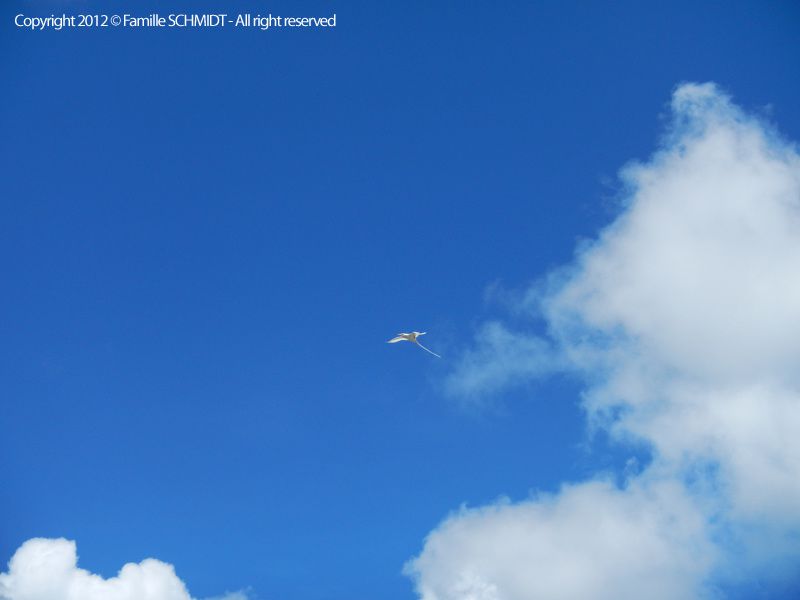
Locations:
{"points": [[426, 350]]}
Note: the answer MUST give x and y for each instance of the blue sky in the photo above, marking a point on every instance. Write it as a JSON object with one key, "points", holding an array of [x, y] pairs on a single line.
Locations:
{"points": [[207, 237]]}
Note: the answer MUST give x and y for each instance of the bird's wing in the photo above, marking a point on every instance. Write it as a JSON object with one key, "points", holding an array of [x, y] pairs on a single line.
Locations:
{"points": [[399, 338], [426, 350]]}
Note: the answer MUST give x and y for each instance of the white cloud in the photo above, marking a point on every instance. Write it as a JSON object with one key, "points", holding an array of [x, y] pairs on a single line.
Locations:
{"points": [[47, 569], [502, 357], [683, 318], [590, 541]]}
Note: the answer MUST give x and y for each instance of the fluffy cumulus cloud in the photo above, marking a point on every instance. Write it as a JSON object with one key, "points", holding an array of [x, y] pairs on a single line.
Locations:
{"points": [[583, 543], [47, 569], [683, 319]]}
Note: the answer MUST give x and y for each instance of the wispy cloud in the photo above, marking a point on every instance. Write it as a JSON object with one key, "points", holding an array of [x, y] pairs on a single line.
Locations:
{"points": [[682, 317], [47, 569], [502, 357], [240, 595]]}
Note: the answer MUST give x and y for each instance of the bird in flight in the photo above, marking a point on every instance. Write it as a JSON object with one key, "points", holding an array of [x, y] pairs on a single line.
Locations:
{"points": [[411, 337]]}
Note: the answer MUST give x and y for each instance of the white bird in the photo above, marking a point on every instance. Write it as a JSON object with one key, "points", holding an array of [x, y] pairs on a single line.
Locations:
{"points": [[411, 337]]}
